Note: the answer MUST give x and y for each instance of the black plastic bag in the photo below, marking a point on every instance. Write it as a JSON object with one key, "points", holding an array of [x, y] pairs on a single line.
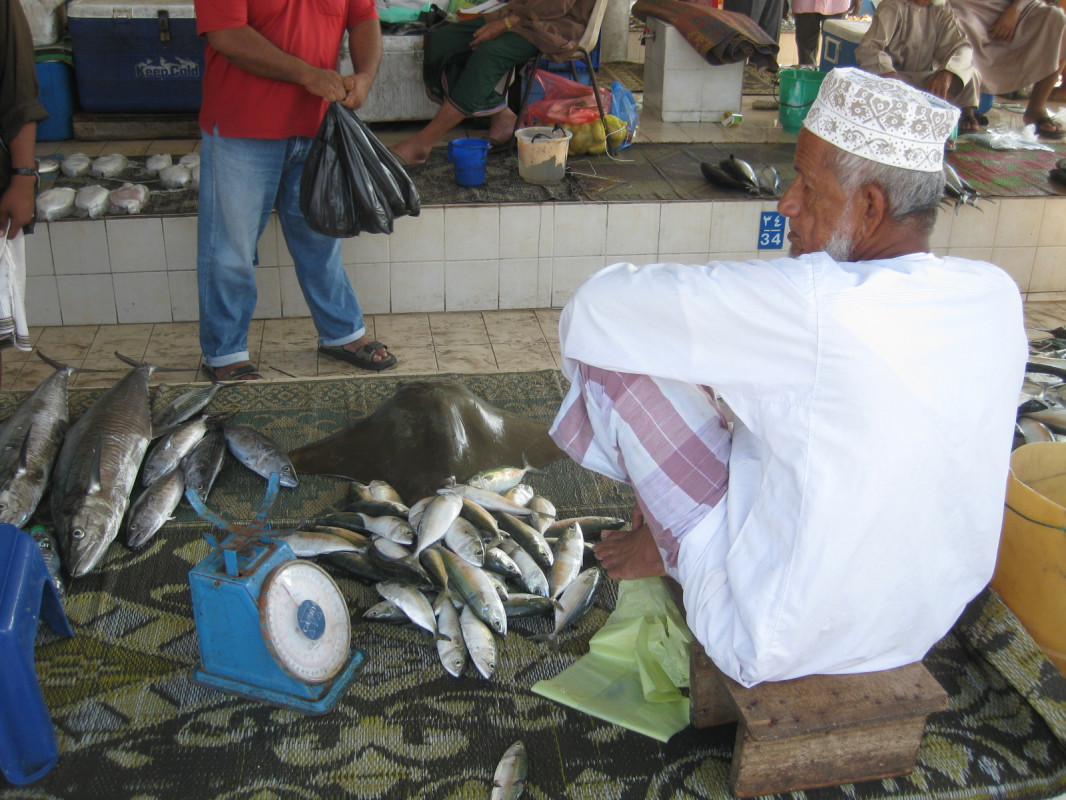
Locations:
{"points": [[351, 183]]}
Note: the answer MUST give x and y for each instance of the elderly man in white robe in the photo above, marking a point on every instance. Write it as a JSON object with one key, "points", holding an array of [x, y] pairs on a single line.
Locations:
{"points": [[920, 42], [851, 508]]}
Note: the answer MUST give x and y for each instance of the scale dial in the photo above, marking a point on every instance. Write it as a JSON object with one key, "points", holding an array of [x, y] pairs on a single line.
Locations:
{"points": [[305, 621]]}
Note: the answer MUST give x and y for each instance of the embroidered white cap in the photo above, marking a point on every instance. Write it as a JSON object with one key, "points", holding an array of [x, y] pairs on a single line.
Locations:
{"points": [[882, 119]]}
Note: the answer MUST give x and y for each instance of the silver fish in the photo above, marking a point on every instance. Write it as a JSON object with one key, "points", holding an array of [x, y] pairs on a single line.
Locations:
{"points": [[30, 440], [575, 600], [369, 567], [542, 506], [395, 528], [524, 604], [261, 454], [533, 579], [1034, 431], [378, 508], [96, 468], [482, 520], [569, 554], [382, 490], [1054, 418], [414, 513], [171, 448], [185, 406], [308, 544], [500, 479], [490, 501], [530, 539], [386, 611], [202, 464], [411, 601], [509, 780], [476, 590], [359, 540], [522, 493], [440, 513], [463, 539], [154, 508], [433, 563], [590, 526], [50, 552], [496, 560], [479, 641], [451, 648]]}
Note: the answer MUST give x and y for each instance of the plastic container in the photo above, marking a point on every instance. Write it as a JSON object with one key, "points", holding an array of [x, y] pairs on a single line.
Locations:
{"points": [[469, 157], [140, 57], [541, 156], [840, 40], [796, 92], [1030, 571], [56, 82]]}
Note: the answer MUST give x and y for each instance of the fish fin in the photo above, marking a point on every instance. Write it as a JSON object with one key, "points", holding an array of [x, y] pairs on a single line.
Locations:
{"points": [[24, 451], [529, 467], [135, 363], [58, 365]]}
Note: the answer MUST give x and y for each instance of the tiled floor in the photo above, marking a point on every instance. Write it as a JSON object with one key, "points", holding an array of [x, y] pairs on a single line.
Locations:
{"points": [[284, 349], [425, 344]]}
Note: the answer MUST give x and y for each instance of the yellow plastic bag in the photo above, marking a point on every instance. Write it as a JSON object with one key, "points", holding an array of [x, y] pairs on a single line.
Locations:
{"points": [[636, 665]]}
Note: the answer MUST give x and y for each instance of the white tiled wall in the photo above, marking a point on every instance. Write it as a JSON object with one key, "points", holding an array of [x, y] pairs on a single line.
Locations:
{"points": [[473, 258]]}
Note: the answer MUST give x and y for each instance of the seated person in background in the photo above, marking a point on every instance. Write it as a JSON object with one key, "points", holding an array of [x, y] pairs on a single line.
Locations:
{"points": [[854, 509], [920, 42], [467, 64], [1016, 44], [809, 16]]}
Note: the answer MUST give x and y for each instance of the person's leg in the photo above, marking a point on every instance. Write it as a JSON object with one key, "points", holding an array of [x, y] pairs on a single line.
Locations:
{"points": [[668, 440], [1036, 112], [323, 280], [808, 28], [238, 182]]}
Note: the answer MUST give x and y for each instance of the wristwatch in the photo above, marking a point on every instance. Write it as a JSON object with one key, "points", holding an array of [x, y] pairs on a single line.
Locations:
{"points": [[25, 171]]}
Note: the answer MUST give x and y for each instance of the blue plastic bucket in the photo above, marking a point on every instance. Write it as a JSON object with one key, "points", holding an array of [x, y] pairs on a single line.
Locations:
{"points": [[56, 80], [469, 157]]}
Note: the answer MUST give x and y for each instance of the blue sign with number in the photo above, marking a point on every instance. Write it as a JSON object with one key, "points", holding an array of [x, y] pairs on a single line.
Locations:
{"points": [[771, 230]]}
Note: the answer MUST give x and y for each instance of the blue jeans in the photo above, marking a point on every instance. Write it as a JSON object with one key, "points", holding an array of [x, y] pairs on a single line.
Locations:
{"points": [[241, 180]]}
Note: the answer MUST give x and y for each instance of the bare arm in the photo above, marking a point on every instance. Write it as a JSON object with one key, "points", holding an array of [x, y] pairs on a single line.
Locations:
{"points": [[364, 42], [16, 202], [248, 49]]}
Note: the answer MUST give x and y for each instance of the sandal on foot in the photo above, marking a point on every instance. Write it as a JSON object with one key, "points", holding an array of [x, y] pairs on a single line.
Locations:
{"points": [[362, 358], [245, 372], [1049, 128], [500, 145], [969, 125]]}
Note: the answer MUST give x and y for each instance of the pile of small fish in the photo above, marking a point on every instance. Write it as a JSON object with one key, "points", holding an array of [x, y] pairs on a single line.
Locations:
{"points": [[92, 465], [463, 561], [1042, 402], [735, 173]]}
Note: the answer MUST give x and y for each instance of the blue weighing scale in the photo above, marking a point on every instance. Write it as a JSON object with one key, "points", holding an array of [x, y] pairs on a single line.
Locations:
{"points": [[271, 627]]}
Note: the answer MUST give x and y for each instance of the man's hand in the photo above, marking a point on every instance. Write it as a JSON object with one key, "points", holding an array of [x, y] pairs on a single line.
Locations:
{"points": [[325, 83], [939, 84], [357, 88], [490, 30], [1002, 29], [16, 204]]}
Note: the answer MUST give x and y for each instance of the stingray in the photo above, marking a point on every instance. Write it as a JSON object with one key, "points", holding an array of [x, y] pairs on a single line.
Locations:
{"points": [[425, 434]]}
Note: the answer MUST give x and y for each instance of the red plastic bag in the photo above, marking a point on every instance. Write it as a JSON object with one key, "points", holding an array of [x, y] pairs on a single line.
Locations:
{"points": [[565, 101]]}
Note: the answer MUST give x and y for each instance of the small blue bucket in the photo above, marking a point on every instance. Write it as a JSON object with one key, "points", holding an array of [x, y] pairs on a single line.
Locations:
{"points": [[469, 157]]}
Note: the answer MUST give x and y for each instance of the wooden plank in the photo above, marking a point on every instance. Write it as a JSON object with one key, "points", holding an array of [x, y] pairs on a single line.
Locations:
{"points": [[822, 702], [709, 702], [826, 758], [121, 127]]}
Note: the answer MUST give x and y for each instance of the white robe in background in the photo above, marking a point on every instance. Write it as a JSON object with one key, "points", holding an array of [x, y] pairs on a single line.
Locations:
{"points": [[874, 409]]}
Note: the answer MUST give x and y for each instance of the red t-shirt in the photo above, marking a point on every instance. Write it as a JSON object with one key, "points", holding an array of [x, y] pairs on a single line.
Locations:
{"points": [[243, 105]]}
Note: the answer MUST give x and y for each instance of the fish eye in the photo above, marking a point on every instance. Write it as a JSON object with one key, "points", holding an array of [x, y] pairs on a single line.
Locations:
{"points": [[3, 506], [77, 534]]}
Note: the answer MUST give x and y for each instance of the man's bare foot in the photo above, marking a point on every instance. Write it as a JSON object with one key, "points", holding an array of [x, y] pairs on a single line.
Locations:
{"points": [[408, 154], [502, 125], [630, 554]]}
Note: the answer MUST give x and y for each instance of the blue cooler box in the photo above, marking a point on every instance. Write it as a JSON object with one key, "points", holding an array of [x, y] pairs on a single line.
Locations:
{"points": [[144, 56], [840, 38]]}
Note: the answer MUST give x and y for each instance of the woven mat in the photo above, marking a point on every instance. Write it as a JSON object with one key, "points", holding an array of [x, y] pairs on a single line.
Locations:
{"points": [[759, 82], [130, 723], [629, 73]]}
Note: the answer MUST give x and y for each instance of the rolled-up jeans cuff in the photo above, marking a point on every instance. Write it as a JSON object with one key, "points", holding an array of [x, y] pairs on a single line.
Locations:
{"points": [[359, 334], [225, 361]]}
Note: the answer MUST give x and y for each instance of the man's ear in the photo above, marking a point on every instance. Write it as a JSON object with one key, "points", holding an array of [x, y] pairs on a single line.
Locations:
{"points": [[875, 213]]}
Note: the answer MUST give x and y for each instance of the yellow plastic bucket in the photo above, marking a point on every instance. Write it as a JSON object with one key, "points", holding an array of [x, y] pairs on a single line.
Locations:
{"points": [[796, 90], [1031, 568]]}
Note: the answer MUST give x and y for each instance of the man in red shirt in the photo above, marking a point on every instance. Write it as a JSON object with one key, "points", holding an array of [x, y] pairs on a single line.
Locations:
{"points": [[270, 72]]}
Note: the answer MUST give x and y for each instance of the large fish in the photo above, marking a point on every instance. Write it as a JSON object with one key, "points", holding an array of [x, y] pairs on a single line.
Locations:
{"points": [[96, 468], [29, 443], [184, 406], [261, 454], [154, 508]]}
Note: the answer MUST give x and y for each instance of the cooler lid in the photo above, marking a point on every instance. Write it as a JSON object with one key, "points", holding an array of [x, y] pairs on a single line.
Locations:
{"points": [[850, 30], [142, 9]]}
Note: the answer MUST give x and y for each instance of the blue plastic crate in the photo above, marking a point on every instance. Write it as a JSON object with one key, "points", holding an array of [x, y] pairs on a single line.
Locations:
{"points": [[144, 57]]}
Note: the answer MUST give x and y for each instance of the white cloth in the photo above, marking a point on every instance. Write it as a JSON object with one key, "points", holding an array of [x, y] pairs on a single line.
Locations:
{"points": [[874, 408], [882, 119], [13, 328]]}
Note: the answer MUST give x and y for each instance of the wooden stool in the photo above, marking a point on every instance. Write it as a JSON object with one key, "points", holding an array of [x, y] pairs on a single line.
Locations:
{"points": [[821, 730]]}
